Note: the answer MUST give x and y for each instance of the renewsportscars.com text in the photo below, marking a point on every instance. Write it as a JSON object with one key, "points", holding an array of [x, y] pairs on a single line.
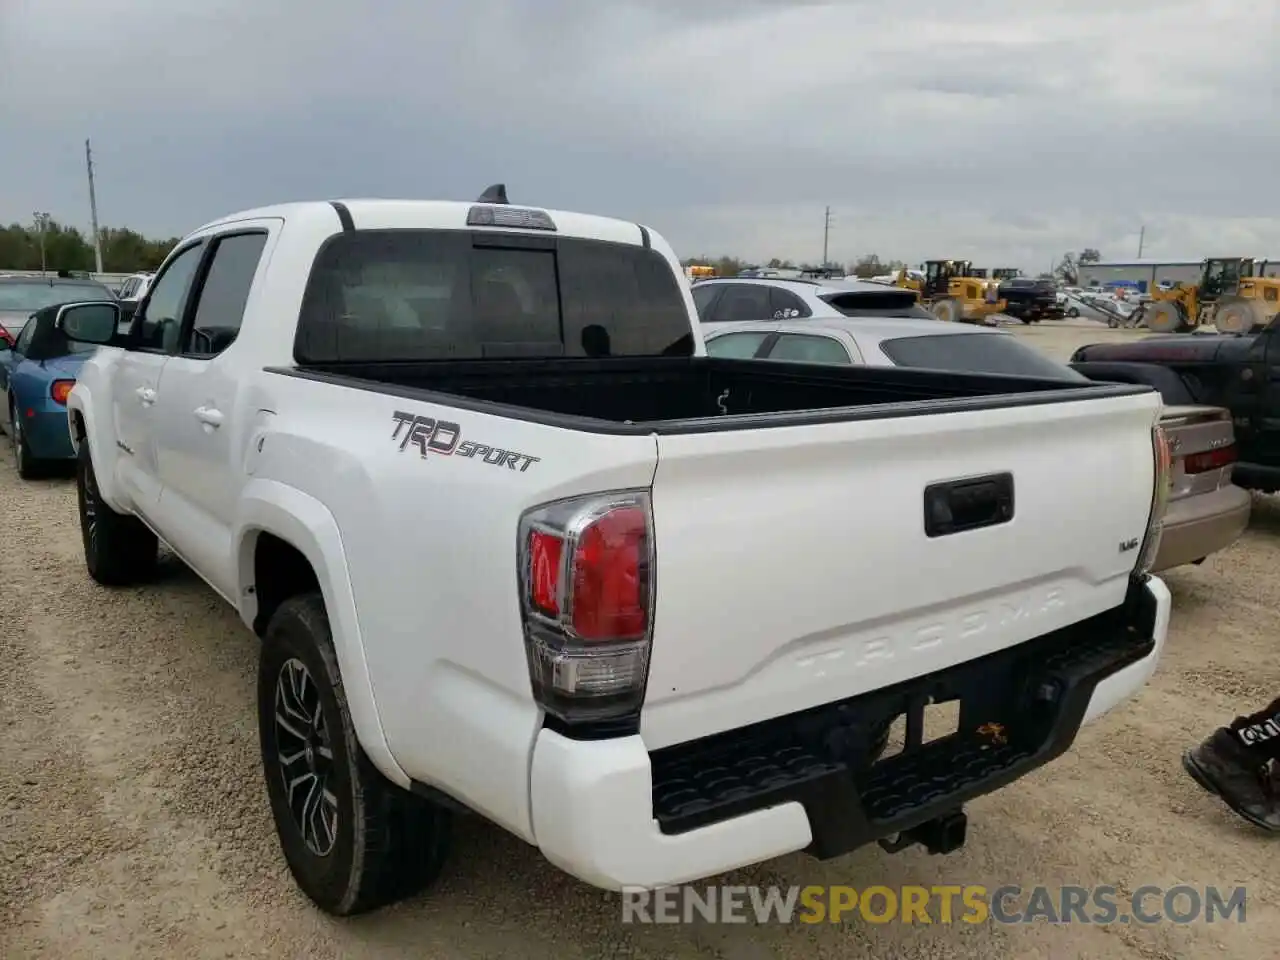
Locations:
{"points": [[940, 904]]}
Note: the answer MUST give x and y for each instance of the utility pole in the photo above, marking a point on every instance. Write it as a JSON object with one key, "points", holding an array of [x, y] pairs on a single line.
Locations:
{"points": [[93, 210], [42, 222], [826, 235], [1142, 235]]}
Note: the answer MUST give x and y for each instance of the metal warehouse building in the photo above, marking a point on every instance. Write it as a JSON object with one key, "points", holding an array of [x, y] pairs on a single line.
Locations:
{"points": [[1147, 273]]}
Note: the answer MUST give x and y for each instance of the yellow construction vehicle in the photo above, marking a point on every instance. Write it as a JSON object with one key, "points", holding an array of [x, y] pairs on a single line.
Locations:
{"points": [[1232, 294], [952, 291]]}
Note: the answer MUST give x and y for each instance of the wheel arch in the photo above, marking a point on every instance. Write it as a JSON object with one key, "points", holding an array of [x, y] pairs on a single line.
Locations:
{"points": [[83, 426], [279, 528]]}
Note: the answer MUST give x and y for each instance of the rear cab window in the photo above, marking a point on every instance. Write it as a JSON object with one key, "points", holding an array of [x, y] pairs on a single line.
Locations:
{"points": [[381, 295], [998, 353]]}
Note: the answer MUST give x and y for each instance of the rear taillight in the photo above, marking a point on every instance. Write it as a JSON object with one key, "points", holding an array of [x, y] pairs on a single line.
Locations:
{"points": [[1161, 490], [59, 390], [1209, 460], [586, 596]]}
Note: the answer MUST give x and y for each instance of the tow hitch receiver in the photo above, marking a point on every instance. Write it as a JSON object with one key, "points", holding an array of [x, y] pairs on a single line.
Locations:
{"points": [[944, 834]]}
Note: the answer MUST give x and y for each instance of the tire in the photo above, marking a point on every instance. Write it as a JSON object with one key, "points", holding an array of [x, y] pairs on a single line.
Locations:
{"points": [[1166, 316], [119, 550], [948, 309], [1073, 312], [1237, 315], [353, 841], [27, 466]]}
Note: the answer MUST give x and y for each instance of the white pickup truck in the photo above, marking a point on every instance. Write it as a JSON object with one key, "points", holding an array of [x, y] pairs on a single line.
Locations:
{"points": [[514, 544]]}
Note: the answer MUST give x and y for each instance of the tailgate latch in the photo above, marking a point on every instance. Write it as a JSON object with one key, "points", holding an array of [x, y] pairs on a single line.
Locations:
{"points": [[955, 506]]}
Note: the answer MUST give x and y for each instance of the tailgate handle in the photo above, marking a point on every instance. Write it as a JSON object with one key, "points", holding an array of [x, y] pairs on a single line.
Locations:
{"points": [[958, 505]]}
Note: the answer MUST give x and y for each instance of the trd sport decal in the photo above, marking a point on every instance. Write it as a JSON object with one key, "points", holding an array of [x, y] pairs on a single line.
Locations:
{"points": [[445, 439]]}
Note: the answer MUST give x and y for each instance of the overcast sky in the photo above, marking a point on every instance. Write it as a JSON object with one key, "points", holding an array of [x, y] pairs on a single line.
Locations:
{"points": [[1003, 131]]}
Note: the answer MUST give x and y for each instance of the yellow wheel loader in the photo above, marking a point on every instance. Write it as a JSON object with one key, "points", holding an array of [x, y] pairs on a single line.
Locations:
{"points": [[952, 291], [1232, 294]]}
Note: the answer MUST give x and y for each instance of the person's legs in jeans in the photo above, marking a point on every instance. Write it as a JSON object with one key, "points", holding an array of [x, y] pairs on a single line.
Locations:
{"points": [[1239, 764]]}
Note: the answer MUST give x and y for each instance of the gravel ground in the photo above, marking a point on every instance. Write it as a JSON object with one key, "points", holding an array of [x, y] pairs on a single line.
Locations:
{"points": [[133, 820]]}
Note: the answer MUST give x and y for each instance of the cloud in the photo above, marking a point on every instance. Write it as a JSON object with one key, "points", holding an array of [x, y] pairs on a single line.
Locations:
{"points": [[991, 130]]}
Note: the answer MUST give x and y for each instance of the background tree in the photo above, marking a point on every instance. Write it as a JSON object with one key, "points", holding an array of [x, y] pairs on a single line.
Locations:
{"points": [[67, 248], [872, 266], [1068, 268]]}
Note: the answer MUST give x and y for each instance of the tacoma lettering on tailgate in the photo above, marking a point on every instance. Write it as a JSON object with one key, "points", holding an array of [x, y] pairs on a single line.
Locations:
{"points": [[443, 437]]}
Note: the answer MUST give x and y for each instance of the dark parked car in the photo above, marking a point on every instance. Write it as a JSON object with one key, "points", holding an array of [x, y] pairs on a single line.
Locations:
{"points": [[20, 297], [1240, 372], [1030, 300]]}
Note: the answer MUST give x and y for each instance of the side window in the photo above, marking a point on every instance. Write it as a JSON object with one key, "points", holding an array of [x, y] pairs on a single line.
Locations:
{"points": [[742, 301], [804, 348], [158, 322], [703, 297], [736, 346], [223, 294], [786, 305], [22, 345]]}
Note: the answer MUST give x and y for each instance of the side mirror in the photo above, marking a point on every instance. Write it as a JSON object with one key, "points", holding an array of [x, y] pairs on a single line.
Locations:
{"points": [[89, 322]]}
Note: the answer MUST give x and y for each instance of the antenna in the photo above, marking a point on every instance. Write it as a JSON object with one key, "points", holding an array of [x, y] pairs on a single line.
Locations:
{"points": [[495, 194]]}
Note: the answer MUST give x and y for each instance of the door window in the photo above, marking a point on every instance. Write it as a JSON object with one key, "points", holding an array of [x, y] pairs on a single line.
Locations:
{"points": [[158, 323], [22, 345], [223, 295], [736, 346], [807, 348], [742, 301], [703, 297]]}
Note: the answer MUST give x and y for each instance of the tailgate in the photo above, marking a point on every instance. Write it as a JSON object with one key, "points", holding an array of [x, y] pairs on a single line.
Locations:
{"points": [[794, 568]]}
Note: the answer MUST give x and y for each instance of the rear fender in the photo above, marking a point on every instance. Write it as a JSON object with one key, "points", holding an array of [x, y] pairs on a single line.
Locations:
{"points": [[268, 506], [1172, 387]]}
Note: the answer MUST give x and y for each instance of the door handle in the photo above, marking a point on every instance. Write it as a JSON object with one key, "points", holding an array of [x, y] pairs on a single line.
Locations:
{"points": [[146, 395], [209, 416]]}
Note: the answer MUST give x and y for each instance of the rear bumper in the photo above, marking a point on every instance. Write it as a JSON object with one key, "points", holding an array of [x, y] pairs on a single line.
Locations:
{"points": [[1198, 526], [615, 815], [48, 433]]}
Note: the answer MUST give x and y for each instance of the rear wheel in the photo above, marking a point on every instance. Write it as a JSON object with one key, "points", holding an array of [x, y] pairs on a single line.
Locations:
{"points": [[1237, 315], [1073, 312], [118, 549], [353, 841]]}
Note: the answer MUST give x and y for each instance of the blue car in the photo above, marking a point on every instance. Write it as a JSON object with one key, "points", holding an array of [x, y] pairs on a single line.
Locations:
{"points": [[36, 374]]}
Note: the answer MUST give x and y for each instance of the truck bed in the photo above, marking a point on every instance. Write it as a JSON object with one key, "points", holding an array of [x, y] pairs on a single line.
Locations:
{"points": [[694, 394]]}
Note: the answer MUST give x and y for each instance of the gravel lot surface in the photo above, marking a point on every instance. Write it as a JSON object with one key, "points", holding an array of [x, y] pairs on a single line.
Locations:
{"points": [[134, 823]]}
